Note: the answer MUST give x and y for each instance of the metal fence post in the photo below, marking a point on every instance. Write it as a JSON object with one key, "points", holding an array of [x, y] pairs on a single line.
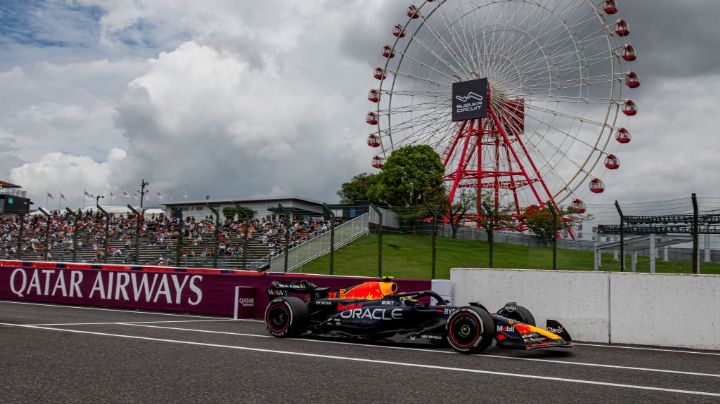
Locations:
{"points": [[555, 230], [434, 239], [246, 224], [287, 235], [21, 218], [107, 233], [380, 234], [622, 237], [695, 238], [332, 237], [215, 234], [75, 232], [489, 229], [47, 232], [181, 225], [138, 225]]}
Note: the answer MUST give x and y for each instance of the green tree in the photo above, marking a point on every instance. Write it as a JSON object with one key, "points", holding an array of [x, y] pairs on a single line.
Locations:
{"points": [[357, 188], [540, 220], [412, 175]]}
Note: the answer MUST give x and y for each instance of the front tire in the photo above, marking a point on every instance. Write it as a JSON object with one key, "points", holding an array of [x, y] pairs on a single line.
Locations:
{"points": [[286, 317], [518, 313], [470, 329]]}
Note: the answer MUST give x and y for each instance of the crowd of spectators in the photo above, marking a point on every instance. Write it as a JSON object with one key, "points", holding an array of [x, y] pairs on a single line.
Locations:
{"points": [[160, 230]]}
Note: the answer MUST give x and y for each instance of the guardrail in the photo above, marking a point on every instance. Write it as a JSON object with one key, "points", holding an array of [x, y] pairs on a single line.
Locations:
{"points": [[320, 245]]}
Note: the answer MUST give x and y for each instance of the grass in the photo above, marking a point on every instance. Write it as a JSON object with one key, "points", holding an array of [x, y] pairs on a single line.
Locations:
{"points": [[410, 256]]}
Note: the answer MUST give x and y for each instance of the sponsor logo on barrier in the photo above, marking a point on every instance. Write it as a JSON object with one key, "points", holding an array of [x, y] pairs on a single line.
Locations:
{"points": [[372, 314], [247, 302], [120, 286]]}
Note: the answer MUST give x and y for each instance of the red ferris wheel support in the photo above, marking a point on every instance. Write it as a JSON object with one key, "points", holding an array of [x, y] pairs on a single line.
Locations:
{"points": [[499, 135]]}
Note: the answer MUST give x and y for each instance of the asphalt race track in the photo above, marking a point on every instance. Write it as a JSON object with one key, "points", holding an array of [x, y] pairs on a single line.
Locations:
{"points": [[79, 354]]}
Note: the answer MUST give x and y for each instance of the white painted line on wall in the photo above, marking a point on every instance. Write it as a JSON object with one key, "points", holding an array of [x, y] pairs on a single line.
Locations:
{"points": [[380, 362]]}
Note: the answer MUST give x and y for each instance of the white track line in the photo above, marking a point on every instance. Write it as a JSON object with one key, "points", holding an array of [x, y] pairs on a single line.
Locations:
{"points": [[381, 362], [562, 362], [59, 306], [638, 348], [262, 321], [136, 322]]}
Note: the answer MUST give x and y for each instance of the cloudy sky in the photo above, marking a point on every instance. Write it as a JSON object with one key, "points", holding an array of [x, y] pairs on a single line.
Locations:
{"points": [[235, 98]]}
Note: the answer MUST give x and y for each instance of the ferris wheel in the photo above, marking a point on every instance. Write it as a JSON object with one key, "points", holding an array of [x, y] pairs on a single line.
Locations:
{"points": [[522, 99]]}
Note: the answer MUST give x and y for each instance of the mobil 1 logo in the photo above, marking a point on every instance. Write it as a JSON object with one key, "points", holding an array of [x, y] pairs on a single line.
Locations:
{"points": [[469, 100]]}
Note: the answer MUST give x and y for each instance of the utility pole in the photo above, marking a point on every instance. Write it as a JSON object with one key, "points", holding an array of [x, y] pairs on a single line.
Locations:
{"points": [[143, 185]]}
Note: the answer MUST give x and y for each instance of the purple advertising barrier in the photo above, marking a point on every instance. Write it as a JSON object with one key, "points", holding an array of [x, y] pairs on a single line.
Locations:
{"points": [[124, 287], [238, 294]]}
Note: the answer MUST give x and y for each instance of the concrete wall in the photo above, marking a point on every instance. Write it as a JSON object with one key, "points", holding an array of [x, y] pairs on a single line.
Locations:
{"points": [[669, 309], [578, 300], [629, 308]]}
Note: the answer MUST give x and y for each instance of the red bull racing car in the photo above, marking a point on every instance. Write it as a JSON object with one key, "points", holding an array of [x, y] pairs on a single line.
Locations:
{"points": [[375, 312]]}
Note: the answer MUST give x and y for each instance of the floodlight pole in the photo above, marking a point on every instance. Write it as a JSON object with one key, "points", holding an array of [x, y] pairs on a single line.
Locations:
{"points": [[143, 185]]}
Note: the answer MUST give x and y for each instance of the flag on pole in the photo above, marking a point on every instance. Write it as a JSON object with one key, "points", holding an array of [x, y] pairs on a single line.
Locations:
{"points": [[49, 195], [87, 194], [159, 196], [62, 196], [184, 194], [125, 194], [112, 196]]}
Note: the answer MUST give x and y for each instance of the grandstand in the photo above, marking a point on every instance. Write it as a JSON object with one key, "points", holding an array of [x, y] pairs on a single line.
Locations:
{"points": [[87, 236]]}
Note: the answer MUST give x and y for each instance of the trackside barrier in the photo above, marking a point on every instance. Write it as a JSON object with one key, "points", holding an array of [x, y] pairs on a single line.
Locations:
{"points": [[674, 310], [229, 293], [679, 310], [579, 300]]}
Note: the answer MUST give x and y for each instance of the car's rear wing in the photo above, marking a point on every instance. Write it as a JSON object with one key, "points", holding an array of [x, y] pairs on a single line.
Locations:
{"points": [[280, 288]]}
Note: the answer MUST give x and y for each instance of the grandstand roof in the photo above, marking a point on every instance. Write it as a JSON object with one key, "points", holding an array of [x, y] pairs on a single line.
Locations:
{"points": [[270, 200], [4, 184]]}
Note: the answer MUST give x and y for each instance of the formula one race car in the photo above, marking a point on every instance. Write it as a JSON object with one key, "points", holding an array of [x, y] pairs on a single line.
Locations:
{"points": [[375, 312]]}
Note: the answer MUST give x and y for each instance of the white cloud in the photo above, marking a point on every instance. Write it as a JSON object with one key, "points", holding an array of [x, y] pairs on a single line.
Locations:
{"points": [[70, 174], [268, 98]]}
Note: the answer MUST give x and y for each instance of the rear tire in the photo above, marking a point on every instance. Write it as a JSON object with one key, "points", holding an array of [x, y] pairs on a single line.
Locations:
{"points": [[286, 317], [470, 329]]}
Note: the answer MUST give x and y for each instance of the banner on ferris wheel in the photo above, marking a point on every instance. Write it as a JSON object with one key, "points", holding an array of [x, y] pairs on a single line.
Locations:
{"points": [[469, 100]]}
